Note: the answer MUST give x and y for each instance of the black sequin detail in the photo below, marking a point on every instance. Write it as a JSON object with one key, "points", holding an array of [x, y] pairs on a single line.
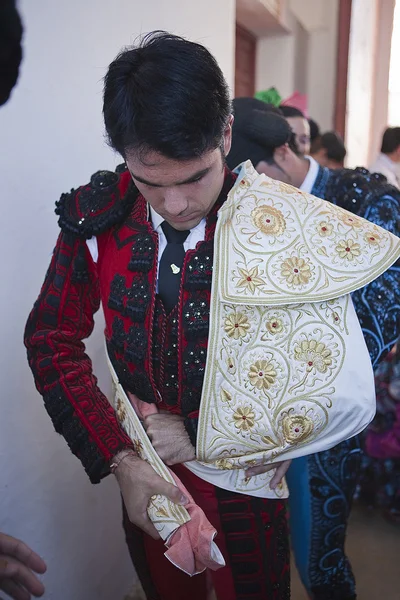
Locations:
{"points": [[196, 314], [198, 273], [117, 293], [137, 341], [138, 299], [118, 334], [95, 207], [143, 251], [171, 370]]}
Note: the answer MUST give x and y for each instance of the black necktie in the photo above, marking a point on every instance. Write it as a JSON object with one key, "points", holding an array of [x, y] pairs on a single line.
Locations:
{"points": [[169, 276]]}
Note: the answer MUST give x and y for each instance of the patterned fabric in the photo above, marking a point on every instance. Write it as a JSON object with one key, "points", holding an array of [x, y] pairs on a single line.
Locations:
{"points": [[321, 491], [252, 535], [321, 486], [63, 317], [284, 262], [379, 485]]}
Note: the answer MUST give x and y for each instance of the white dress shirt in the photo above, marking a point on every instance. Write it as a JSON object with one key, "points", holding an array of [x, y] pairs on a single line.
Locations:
{"points": [[311, 176], [388, 168]]}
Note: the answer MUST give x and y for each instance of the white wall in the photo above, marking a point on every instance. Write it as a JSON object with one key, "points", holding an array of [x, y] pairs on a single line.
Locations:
{"points": [[307, 52], [360, 82], [52, 139]]}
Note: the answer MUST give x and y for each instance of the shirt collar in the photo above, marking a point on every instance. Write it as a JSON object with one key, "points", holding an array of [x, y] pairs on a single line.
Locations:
{"points": [[311, 176], [155, 218]]}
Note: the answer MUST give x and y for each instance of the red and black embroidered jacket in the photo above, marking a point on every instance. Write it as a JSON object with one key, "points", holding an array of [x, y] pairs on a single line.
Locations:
{"points": [[158, 358]]}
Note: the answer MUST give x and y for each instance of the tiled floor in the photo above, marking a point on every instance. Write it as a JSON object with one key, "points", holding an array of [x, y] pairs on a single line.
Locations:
{"points": [[374, 549]]}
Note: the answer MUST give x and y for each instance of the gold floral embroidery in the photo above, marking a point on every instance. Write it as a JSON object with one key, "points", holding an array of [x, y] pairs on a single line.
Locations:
{"points": [[269, 220], [250, 279], [324, 229], [230, 363], [373, 239], [350, 220], [244, 418], [315, 354], [275, 326], [236, 325], [262, 375], [348, 249], [296, 271], [224, 463], [296, 428], [121, 412]]}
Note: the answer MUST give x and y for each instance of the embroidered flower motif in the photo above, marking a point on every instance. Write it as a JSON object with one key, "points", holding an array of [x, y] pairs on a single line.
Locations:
{"points": [[236, 325], [324, 229], [244, 418], [121, 412], [230, 363], [372, 238], [224, 463], [250, 279], [296, 428], [350, 220], [348, 249], [296, 271], [275, 326], [269, 220], [315, 354], [336, 318], [262, 375]]}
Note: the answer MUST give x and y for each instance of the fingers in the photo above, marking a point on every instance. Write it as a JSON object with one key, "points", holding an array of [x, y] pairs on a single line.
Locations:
{"points": [[279, 474], [259, 470], [14, 590], [22, 552], [171, 492], [147, 526], [19, 573]]}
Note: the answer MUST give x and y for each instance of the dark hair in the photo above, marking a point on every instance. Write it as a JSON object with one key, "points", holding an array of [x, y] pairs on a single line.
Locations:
{"points": [[258, 130], [314, 130], [10, 48], [167, 95], [390, 140], [333, 144], [291, 111]]}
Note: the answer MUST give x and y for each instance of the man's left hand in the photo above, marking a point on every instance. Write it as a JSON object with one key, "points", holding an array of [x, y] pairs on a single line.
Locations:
{"points": [[281, 470], [169, 437]]}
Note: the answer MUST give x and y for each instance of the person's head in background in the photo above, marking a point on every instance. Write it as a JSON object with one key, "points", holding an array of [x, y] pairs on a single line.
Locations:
{"points": [[329, 151], [315, 134], [300, 127], [10, 48], [168, 112], [261, 134], [391, 144]]}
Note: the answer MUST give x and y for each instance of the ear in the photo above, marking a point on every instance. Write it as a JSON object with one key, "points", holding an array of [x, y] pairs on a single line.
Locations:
{"points": [[228, 135]]}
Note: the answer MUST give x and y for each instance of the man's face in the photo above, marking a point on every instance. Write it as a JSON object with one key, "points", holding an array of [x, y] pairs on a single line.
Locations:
{"points": [[182, 192], [301, 129]]}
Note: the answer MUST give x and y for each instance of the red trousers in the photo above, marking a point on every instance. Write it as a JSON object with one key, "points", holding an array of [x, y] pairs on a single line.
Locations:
{"points": [[252, 536]]}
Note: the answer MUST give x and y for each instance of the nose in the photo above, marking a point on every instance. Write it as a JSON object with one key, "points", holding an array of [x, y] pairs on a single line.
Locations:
{"points": [[175, 202]]}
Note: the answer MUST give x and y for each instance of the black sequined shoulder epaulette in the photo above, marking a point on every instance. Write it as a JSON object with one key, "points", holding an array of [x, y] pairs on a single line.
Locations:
{"points": [[355, 189], [93, 208]]}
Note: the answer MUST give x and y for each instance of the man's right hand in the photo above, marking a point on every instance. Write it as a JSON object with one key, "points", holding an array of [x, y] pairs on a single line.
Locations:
{"points": [[18, 563], [138, 482]]}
